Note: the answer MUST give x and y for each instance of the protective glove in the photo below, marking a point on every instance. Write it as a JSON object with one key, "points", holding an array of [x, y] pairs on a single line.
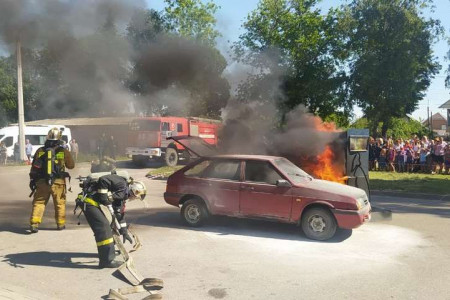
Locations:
{"points": [[126, 237]]}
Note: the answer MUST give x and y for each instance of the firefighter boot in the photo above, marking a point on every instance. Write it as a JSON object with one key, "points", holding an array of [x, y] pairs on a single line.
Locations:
{"points": [[34, 228], [111, 265]]}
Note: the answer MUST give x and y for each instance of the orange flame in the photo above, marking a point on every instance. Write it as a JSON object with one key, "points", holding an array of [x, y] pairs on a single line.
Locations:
{"points": [[324, 168], [326, 165]]}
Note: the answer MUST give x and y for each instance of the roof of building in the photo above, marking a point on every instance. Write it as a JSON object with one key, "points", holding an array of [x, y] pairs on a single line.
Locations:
{"points": [[84, 121], [435, 117], [445, 105], [100, 121]]}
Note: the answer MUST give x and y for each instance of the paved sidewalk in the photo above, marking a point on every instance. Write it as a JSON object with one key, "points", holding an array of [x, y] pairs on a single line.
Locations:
{"points": [[13, 292], [411, 195]]}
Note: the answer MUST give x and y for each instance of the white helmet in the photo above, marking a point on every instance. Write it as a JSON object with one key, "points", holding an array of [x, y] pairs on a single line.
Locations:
{"points": [[137, 190]]}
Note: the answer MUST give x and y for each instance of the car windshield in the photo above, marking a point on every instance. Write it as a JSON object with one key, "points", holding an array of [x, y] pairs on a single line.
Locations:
{"points": [[294, 173], [1, 136]]}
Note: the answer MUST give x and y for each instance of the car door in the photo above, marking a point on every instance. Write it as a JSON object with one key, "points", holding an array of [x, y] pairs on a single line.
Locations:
{"points": [[259, 194], [220, 183]]}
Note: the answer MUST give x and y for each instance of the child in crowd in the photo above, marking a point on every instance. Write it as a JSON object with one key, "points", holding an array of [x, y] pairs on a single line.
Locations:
{"points": [[409, 159], [391, 155], [382, 159], [401, 159], [447, 159], [423, 160]]}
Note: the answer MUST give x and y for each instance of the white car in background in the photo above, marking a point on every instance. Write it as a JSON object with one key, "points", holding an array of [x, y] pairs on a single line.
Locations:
{"points": [[36, 134]]}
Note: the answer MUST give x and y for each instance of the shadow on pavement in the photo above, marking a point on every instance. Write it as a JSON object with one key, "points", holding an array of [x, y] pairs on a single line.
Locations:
{"points": [[51, 259], [413, 206], [232, 226], [151, 164], [128, 164], [15, 217]]}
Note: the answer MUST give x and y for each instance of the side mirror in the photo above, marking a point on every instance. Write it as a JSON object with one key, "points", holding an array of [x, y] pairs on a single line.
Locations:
{"points": [[283, 183]]}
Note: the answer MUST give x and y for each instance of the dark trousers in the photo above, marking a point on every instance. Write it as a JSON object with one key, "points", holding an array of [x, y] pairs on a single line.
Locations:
{"points": [[102, 232]]}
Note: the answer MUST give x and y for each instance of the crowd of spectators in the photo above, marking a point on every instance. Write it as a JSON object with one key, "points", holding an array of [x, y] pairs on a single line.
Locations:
{"points": [[410, 155]]}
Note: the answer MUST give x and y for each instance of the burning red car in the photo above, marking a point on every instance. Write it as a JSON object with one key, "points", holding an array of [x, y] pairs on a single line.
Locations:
{"points": [[269, 187]]}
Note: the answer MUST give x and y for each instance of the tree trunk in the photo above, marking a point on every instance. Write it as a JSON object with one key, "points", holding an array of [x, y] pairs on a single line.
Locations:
{"points": [[385, 128]]}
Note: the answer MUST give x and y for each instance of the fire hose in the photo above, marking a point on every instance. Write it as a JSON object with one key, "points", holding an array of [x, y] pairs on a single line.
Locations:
{"points": [[128, 269]]}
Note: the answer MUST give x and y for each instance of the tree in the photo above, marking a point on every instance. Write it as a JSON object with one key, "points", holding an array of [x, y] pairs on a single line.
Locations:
{"points": [[8, 87], [392, 61], [193, 19], [293, 45], [399, 127]]}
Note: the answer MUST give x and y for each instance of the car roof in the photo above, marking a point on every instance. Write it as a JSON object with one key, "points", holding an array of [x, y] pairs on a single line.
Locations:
{"points": [[245, 156]]}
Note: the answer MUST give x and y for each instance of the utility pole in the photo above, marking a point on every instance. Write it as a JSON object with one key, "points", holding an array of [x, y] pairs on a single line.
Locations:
{"points": [[20, 102], [431, 124], [428, 115]]}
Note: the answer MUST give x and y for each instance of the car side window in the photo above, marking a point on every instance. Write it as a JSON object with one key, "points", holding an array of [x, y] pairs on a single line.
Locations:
{"points": [[198, 169], [8, 141], [224, 169], [261, 171]]}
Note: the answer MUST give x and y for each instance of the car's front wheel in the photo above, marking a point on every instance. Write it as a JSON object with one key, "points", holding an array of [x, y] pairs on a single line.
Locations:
{"points": [[319, 224], [194, 212]]}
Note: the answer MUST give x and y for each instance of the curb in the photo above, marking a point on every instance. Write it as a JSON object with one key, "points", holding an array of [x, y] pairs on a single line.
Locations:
{"points": [[401, 194]]}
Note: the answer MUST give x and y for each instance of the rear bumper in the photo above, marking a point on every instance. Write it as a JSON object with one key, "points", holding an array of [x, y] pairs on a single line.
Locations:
{"points": [[173, 198], [349, 219], [143, 151]]}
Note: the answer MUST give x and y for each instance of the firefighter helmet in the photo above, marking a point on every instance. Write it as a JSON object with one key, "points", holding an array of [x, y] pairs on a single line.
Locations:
{"points": [[138, 190], [54, 134]]}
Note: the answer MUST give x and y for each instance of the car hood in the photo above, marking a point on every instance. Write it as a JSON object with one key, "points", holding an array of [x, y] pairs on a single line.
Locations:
{"points": [[328, 190]]}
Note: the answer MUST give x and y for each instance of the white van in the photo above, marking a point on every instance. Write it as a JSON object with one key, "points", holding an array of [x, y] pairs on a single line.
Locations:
{"points": [[36, 134]]}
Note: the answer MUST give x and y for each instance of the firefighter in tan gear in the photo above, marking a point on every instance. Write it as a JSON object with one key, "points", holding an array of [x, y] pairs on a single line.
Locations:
{"points": [[48, 177]]}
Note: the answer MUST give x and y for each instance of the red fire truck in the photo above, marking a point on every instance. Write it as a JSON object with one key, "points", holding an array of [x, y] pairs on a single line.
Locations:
{"points": [[147, 137]]}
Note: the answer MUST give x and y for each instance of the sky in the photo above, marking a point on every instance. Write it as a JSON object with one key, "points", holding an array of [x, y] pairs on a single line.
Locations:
{"points": [[233, 13]]}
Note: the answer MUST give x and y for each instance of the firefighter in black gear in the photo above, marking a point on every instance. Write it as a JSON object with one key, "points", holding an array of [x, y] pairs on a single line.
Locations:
{"points": [[112, 191]]}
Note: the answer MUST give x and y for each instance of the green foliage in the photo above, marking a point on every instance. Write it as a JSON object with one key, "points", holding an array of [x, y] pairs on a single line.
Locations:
{"points": [[392, 61], [193, 19], [8, 87], [405, 128], [299, 51], [399, 128], [8, 93], [340, 119], [144, 27]]}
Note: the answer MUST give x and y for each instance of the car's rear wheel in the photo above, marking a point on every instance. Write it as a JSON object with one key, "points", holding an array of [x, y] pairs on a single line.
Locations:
{"points": [[194, 212], [319, 224]]}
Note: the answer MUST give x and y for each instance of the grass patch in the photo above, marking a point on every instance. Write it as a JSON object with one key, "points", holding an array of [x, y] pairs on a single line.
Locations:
{"points": [[165, 171], [411, 183]]}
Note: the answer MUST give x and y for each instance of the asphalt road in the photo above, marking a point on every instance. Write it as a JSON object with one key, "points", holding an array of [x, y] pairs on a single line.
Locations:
{"points": [[407, 257]]}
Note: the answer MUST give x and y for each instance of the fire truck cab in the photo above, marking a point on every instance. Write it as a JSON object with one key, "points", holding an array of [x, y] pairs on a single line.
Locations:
{"points": [[147, 137]]}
